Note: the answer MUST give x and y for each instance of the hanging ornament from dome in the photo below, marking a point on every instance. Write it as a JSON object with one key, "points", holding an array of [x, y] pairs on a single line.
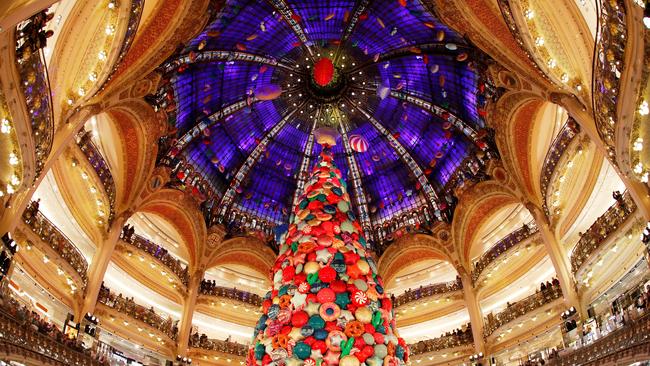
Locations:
{"points": [[326, 136], [383, 91], [268, 92], [358, 143], [440, 36], [434, 68], [323, 71], [446, 125], [214, 160], [462, 57]]}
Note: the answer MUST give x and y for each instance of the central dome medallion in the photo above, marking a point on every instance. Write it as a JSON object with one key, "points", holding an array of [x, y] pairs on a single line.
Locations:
{"points": [[401, 95]]}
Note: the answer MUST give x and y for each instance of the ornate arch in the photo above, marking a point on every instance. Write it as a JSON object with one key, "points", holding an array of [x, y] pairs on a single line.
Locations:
{"points": [[411, 249], [476, 206], [181, 211], [137, 128], [247, 251]]}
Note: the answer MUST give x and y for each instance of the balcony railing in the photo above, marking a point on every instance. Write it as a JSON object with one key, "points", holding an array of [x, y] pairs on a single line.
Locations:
{"points": [[229, 347], [501, 247], [100, 166], [51, 236], [558, 147], [600, 230], [159, 253], [609, 63], [625, 342], [521, 308], [462, 338], [428, 291], [35, 87], [230, 293], [18, 336], [137, 312]]}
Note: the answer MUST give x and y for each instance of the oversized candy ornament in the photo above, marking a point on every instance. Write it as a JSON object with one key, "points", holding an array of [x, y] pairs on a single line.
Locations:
{"points": [[327, 305], [323, 71], [358, 143]]}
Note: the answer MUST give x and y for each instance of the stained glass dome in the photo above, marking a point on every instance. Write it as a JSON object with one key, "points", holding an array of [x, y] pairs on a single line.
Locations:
{"points": [[405, 100]]}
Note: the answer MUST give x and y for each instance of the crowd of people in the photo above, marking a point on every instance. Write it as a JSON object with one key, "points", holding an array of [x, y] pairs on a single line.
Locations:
{"points": [[456, 338], [33, 36], [602, 228], [157, 251], [225, 346], [209, 287], [24, 326], [128, 306], [49, 234], [426, 291], [550, 291]]}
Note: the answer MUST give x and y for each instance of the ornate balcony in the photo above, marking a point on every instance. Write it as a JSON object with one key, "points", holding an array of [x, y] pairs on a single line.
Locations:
{"points": [[600, 230], [56, 240], [609, 64], [558, 147], [226, 347], [100, 166], [623, 346], [521, 308], [141, 314], [35, 87], [428, 291], [234, 294], [158, 253], [462, 338], [501, 247], [20, 340]]}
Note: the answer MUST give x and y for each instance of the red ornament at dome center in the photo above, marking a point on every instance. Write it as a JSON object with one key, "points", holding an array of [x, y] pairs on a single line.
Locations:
{"points": [[323, 71]]}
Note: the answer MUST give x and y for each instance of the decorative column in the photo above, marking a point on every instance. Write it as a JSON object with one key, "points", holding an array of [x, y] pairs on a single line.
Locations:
{"points": [[558, 256], [475, 313], [327, 303], [193, 288], [98, 266]]}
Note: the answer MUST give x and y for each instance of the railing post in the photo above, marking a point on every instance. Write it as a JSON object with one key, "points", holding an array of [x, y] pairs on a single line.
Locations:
{"points": [[475, 313], [559, 258], [189, 305], [97, 269]]}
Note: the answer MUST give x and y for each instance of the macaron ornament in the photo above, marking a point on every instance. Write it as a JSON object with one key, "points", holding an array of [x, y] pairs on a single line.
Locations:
{"points": [[327, 305]]}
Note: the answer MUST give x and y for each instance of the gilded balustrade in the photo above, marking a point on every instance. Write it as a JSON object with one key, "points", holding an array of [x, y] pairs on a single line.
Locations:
{"points": [[137, 312], [53, 237], [35, 86], [521, 308], [159, 253], [428, 291], [462, 338], [627, 342], [19, 338], [229, 347], [100, 166], [609, 63], [600, 230], [501, 247], [559, 145]]}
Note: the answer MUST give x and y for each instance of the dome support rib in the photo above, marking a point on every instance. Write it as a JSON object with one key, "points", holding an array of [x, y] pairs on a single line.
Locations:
{"points": [[405, 156], [359, 192], [304, 168], [282, 7], [436, 110], [208, 122], [251, 160], [216, 55], [359, 8], [438, 48]]}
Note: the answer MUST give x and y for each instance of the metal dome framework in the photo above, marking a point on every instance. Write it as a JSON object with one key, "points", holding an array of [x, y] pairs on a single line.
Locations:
{"points": [[249, 157]]}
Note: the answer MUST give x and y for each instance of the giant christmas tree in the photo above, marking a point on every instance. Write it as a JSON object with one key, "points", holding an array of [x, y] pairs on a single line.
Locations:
{"points": [[327, 305]]}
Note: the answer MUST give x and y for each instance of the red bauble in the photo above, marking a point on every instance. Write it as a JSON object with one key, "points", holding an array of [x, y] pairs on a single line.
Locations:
{"points": [[323, 71]]}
